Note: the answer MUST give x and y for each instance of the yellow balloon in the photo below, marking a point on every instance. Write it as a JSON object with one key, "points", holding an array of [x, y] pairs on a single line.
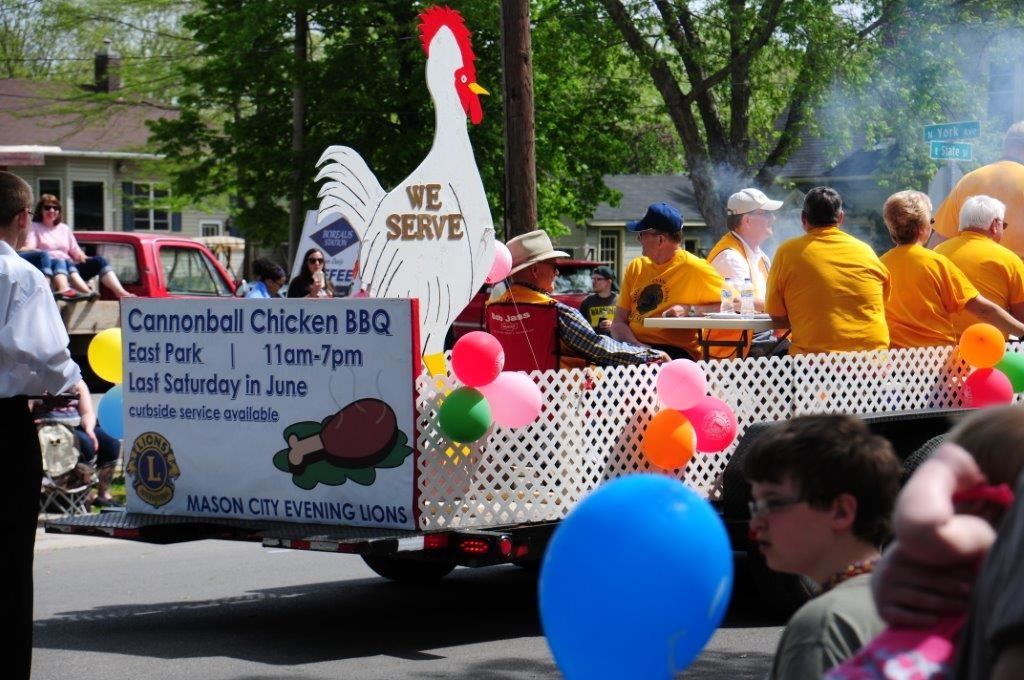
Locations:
{"points": [[105, 355]]}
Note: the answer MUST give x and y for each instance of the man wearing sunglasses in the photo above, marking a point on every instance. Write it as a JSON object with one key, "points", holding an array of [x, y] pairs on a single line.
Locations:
{"points": [[997, 272], [824, 488], [664, 281]]}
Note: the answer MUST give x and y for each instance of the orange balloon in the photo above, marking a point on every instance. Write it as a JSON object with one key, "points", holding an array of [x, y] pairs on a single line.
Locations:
{"points": [[670, 440], [982, 345]]}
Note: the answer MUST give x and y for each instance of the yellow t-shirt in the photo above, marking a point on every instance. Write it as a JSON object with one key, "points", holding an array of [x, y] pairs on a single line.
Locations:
{"points": [[648, 289], [1003, 180], [926, 290], [995, 271], [833, 288]]}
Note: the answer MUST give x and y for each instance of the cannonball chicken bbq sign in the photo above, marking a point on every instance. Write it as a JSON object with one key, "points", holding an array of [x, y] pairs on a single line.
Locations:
{"points": [[302, 410], [286, 410]]}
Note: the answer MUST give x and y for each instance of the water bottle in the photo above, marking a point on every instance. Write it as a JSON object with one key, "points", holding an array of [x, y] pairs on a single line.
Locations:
{"points": [[727, 293], [747, 299]]}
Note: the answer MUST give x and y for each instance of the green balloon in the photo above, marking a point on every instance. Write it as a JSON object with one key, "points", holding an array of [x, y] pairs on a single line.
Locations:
{"points": [[1012, 364], [465, 415]]}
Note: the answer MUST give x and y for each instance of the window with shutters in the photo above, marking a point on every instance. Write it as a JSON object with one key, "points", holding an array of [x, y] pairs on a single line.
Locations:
{"points": [[151, 206]]}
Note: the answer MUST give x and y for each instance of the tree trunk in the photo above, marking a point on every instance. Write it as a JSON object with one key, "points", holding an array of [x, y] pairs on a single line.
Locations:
{"points": [[520, 149], [296, 214]]}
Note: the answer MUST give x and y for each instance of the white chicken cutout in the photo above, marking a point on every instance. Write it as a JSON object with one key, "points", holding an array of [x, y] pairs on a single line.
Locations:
{"points": [[432, 236]]}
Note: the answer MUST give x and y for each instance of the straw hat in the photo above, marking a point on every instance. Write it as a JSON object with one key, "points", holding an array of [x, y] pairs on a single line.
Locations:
{"points": [[530, 248]]}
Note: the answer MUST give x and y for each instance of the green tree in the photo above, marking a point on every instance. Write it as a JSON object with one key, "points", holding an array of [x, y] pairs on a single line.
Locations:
{"points": [[56, 40], [365, 88], [743, 81], [728, 70]]}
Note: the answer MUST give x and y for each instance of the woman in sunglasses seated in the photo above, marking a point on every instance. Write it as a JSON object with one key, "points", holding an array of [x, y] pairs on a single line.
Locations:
{"points": [[311, 281], [69, 265]]}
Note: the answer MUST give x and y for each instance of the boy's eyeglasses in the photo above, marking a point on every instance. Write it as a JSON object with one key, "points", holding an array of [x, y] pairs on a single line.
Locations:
{"points": [[770, 505]]}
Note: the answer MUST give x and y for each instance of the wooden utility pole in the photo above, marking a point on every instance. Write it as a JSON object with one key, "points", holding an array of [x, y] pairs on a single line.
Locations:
{"points": [[296, 216], [520, 144]]}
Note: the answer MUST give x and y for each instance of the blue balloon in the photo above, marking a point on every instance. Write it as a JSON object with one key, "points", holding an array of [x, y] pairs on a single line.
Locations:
{"points": [[110, 414], [635, 580]]}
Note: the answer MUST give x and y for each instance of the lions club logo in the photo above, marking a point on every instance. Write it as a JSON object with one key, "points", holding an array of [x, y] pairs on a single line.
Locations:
{"points": [[153, 468]]}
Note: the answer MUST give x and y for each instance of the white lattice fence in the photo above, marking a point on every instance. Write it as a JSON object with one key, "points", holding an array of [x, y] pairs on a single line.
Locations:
{"points": [[594, 419], [878, 382]]}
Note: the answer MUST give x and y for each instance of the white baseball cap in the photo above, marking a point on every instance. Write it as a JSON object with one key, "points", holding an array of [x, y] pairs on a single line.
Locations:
{"points": [[749, 200]]}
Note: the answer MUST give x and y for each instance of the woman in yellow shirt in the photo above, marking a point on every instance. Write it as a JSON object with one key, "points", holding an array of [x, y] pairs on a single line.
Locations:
{"points": [[927, 287]]}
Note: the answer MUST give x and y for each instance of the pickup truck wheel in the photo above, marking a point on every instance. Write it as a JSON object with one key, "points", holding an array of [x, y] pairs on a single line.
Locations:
{"points": [[408, 570]]}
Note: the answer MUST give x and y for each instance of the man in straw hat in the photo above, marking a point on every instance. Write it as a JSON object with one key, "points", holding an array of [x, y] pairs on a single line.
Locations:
{"points": [[1002, 180], [664, 281], [533, 280]]}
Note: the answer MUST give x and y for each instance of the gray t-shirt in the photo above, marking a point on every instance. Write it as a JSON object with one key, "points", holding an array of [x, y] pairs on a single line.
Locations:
{"points": [[827, 631], [997, 603]]}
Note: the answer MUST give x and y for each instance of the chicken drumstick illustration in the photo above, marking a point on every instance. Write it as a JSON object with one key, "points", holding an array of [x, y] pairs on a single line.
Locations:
{"points": [[359, 435]]}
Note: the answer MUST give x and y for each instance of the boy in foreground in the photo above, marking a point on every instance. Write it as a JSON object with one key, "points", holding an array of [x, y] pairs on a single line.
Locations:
{"points": [[823, 489]]}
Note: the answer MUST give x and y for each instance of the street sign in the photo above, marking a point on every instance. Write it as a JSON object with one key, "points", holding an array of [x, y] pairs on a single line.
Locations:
{"points": [[950, 151], [951, 132]]}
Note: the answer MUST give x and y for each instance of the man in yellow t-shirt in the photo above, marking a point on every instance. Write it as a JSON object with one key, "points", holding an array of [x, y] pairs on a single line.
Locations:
{"points": [[1002, 180], [827, 286], [664, 281], [995, 271], [927, 288]]}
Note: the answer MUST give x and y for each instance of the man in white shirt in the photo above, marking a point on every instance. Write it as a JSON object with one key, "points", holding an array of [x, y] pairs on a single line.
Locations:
{"points": [[34, 360], [738, 255]]}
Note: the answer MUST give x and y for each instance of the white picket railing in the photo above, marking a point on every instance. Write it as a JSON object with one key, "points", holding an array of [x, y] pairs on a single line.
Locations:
{"points": [[593, 421]]}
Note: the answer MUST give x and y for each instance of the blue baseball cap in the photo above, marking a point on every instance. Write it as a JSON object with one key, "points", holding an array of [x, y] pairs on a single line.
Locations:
{"points": [[660, 217]]}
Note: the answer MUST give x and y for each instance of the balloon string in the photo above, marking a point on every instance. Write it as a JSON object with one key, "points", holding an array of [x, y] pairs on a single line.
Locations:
{"points": [[522, 325]]}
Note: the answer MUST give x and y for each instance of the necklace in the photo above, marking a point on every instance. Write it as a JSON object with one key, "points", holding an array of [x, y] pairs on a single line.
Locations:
{"points": [[851, 570]]}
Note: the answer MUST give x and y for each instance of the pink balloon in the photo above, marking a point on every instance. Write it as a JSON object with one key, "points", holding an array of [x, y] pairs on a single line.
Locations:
{"points": [[681, 384], [477, 358], [987, 387], [714, 422], [514, 398], [502, 263]]}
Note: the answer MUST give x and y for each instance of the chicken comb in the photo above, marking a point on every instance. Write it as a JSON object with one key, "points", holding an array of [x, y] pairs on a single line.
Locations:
{"points": [[434, 19]]}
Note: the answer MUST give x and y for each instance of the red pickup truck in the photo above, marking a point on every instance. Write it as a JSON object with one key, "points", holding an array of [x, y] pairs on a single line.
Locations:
{"points": [[148, 265], [159, 265]]}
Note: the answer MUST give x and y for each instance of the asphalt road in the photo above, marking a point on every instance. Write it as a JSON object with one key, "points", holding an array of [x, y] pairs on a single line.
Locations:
{"points": [[215, 610]]}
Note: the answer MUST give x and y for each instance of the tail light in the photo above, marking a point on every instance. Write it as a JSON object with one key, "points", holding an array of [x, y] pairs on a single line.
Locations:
{"points": [[474, 546], [435, 541]]}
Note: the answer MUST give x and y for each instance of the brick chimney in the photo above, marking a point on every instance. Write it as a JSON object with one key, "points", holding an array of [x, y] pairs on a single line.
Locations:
{"points": [[107, 69]]}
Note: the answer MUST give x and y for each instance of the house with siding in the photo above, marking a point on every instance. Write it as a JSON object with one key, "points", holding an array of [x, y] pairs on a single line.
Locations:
{"points": [[93, 156]]}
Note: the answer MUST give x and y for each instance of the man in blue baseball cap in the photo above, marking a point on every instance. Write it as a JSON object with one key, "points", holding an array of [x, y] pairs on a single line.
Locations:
{"points": [[664, 281]]}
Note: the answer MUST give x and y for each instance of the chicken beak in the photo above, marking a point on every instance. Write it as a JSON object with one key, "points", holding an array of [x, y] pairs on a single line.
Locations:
{"points": [[473, 87]]}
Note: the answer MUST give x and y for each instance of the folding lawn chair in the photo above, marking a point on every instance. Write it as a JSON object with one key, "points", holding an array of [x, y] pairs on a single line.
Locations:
{"points": [[66, 482]]}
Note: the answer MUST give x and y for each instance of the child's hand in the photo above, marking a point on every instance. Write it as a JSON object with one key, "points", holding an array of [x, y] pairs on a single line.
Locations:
{"points": [[926, 522]]}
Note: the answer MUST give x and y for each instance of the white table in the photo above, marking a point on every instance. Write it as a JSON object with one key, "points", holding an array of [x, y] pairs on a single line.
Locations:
{"points": [[705, 324]]}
